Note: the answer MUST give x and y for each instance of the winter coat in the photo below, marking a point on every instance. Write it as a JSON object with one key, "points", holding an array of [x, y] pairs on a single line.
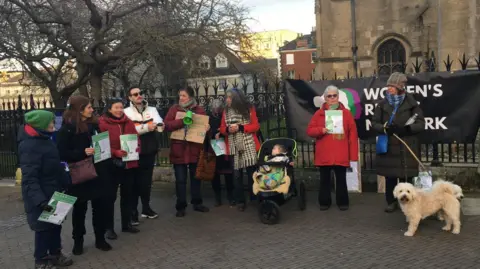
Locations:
{"points": [[115, 128], [42, 173], [252, 128], [71, 147], [182, 151], [398, 161], [141, 120], [329, 149]]}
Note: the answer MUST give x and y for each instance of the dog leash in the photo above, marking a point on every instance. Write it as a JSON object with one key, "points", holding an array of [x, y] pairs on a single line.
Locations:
{"points": [[411, 152]]}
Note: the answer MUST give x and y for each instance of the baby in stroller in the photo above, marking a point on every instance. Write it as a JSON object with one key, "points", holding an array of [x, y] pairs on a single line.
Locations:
{"points": [[272, 173]]}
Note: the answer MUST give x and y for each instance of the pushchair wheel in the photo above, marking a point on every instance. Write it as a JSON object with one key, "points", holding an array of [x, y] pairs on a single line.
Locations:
{"points": [[302, 196], [269, 212]]}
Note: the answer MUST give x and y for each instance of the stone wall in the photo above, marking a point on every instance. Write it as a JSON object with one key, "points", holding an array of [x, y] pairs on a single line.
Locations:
{"points": [[447, 27]]}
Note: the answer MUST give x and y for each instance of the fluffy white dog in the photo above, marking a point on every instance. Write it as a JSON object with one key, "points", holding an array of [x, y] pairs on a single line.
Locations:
{"points": [[458, 193], [417, 205]]}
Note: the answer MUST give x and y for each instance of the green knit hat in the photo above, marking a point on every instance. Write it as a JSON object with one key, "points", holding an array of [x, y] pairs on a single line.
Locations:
{"points": [[39, 119]]}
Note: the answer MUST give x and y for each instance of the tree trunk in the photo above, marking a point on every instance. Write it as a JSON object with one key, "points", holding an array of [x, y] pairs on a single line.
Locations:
{"points": [[83, 90], [96, 88], [57, 98]]}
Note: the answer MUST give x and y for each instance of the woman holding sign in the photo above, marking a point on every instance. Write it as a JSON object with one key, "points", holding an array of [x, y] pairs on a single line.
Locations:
{"points": [[240, 126], [223, 164], [400, 114], [74, 143], [184, 154], [334, 129], [125, 145]]}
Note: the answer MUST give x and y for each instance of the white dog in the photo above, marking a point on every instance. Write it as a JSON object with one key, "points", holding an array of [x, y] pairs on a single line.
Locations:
{"points": [[458, 193], [417, 205]]}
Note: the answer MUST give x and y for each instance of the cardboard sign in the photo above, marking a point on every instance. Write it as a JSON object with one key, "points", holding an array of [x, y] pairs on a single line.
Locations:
{"points": [[195, 132]]}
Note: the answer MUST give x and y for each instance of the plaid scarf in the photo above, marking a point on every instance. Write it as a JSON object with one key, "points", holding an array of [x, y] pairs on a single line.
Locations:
{"points": [[242, 145]]}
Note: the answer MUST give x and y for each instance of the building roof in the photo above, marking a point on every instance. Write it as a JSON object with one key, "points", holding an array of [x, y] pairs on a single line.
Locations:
{"points": [[292, 45]]}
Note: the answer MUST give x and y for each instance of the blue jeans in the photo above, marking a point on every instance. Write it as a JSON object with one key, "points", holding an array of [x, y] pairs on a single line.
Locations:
{"points": [[181, 174], [47, 243]]}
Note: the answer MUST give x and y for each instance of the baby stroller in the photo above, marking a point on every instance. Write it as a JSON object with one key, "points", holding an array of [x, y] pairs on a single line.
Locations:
{"points": [[271, 200]]}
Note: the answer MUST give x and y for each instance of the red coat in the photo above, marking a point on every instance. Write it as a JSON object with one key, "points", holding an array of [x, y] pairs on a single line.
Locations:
{"points": [[116, 128], [329, 150], [251, 128], [181, 151]]}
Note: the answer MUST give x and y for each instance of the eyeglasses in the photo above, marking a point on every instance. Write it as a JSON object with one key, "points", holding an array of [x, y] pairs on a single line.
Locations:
{"points": [[331, 96], [137, 94]]}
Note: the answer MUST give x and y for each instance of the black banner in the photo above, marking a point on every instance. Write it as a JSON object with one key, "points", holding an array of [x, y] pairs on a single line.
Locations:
{"points": [[450, 103]]}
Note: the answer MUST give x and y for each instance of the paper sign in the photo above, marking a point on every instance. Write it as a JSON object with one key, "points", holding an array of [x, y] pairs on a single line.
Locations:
{"points": [[195, 132], [62, 204], [129, 143], [219, 146], [101, 144], [334, 121], [353, 178]]}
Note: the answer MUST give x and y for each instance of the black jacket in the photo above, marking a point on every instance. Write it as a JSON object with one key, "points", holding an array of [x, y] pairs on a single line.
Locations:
{"points": [[42, 174], [398, 162], [71, 146]]}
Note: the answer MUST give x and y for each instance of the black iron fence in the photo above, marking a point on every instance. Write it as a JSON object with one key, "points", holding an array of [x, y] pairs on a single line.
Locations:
{"points": [[269, 102]]}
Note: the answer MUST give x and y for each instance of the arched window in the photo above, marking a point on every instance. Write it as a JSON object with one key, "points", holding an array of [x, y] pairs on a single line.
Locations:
{"points": [[391, 57]]}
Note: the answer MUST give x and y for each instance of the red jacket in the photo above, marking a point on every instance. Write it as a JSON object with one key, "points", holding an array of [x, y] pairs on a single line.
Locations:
{"points": [[329, 150], [251, 128], [115, 128], [181, 151]]}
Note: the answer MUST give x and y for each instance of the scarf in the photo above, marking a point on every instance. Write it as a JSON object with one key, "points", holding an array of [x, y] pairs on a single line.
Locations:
{"points": [[333, 107], [241, 145], [188, 104], [394, 100]]}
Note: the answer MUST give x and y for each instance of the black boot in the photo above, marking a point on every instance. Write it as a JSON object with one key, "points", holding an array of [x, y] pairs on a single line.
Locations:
{"points": [[101, 244], [200, 208], [218, 199], [130, 229], [111, 234], [391, 207], [77, 246]]}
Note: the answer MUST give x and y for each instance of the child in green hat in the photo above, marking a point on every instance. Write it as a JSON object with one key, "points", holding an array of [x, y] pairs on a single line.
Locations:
{"points": [[42, 175]]}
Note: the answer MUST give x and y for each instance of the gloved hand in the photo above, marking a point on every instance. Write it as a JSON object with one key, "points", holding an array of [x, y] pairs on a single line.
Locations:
{"points": [[46, 207]]}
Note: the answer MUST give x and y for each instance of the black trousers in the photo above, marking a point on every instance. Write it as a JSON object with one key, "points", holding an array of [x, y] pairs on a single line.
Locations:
{"points": [[143, 182], [99, 209], [125, 179], [217, 185], [48, 242], [182, 171], [341, 190], [390, 184], [239, 187]]}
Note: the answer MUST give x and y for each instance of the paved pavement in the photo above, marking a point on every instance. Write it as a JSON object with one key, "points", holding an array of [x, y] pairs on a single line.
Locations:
{"points": [[363, 237]]}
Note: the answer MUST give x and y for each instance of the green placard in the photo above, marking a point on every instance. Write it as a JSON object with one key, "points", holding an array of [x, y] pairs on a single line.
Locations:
{"points": [[129, 143], [101, 144], [62, 204]]}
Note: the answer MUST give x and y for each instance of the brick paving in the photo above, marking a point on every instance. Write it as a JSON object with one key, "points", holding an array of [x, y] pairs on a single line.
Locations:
{"points": [[363, 237]]}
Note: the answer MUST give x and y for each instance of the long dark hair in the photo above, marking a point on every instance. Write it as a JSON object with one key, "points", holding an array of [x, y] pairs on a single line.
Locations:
{"points": [[240, 103], [72, 114]]}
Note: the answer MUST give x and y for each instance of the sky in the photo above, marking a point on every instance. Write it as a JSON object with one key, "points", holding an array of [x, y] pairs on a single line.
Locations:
{"points": [[295, 15]]}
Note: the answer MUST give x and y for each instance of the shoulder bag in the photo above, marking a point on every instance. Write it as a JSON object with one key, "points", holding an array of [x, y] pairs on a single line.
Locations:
{"points": [[382, 140]]}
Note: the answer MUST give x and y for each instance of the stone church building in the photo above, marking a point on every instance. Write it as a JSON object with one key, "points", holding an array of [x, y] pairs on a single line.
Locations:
{"points": [[389, 33]]}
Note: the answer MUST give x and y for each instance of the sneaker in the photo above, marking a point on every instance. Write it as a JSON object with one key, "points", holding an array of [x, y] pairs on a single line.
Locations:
{"points": [[111, 234], [61, 260], [180, 213], [200, 208], [241, 207], [391, 207], [135, 221], [44, 265], [343, 207], [149, 214]]}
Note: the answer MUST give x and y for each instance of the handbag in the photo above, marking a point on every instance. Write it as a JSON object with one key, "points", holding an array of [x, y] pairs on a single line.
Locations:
{"points": [[82, 171], [206, 166], [382, 140]]}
